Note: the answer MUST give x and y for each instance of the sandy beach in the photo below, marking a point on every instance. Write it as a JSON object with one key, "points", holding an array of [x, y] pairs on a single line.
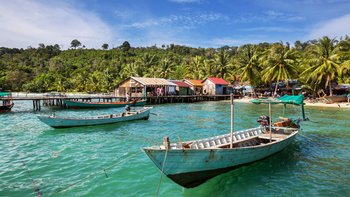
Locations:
{"points": [[308, 103]]}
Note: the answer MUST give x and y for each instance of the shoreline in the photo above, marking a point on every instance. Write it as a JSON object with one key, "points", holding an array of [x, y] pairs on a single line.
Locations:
{"points": [[308, 103]]}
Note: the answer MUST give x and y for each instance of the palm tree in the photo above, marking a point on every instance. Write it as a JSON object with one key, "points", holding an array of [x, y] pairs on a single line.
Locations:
{"points": [[344, 57], [280, 64], [222, 61], [147, 60], [166, 68], [196, 65], [248, 64], [322, 62], [208, 69]]}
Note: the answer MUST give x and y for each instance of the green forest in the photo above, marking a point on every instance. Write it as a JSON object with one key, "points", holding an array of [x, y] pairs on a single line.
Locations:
{"points": [[315, 63]]}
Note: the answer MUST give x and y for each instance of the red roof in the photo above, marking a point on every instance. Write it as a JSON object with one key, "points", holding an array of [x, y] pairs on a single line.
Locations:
{"points": [[218, 81], [181, 84]]}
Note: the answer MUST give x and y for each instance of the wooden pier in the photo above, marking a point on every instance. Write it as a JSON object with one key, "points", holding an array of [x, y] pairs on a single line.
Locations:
{"points": [[185, 98], [57, 101]]}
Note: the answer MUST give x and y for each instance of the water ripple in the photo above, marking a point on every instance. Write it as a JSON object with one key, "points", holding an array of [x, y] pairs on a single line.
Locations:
{"points": [[71, 162]]}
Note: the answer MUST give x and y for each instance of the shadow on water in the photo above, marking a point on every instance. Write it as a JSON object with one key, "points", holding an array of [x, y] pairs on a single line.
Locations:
{"points": [[252, 175]]}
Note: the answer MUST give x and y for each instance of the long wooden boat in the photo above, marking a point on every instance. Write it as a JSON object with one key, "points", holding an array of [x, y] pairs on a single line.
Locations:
{"points": [[336, 98], [79, 104], [63, 122], [192, 163], [7, 103]]}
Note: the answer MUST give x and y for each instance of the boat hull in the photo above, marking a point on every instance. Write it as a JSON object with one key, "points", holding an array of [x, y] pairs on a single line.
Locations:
{"points": [[336, 99], [59, 122], [192, 167], [79, 105], [6, 108]]}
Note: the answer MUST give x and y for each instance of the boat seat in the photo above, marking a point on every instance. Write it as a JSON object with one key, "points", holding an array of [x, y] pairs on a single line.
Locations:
{"points": [[224, 140]]}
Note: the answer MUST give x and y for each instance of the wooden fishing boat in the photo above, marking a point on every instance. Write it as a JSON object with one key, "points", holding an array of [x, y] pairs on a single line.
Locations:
{"points": [[7, 103], [79, 104], [63, 122], [191, 163], [336, 98]]}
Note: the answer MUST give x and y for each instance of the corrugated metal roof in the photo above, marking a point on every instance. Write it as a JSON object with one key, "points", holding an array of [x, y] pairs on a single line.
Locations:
{"points": [[153, 81], [218, 81], [194, 82], [181, 84]]}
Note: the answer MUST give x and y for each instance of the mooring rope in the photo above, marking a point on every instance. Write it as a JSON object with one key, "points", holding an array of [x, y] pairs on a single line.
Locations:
{"points": [[162, 171], [35, 186], [95, 173]]}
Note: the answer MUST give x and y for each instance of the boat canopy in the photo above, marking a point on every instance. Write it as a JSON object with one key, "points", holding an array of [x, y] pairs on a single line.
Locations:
{"points": [[286, 99], [2, 94]]}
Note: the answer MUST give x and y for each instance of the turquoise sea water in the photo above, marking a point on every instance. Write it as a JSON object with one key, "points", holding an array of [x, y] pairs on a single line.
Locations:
{"points": [[71, 162]]}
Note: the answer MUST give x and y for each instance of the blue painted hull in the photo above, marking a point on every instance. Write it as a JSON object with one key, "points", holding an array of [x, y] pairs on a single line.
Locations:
{"points": [[61, 122]]}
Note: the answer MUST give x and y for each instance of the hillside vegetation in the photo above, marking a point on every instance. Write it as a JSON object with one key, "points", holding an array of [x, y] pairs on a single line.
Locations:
{"points": [[315, 63]]}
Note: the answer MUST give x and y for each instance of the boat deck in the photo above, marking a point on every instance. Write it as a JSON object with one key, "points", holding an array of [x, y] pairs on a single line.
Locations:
{"points": [[223, 141], [275, 136], [245, 138]]}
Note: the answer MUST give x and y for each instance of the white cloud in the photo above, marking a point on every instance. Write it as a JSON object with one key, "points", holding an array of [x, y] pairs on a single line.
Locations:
{"points": [[267, 16], [333, 28], [186, 21], [273, 29], [28, 23]]}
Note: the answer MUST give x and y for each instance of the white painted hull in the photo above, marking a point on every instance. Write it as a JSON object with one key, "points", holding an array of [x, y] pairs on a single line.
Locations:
{"points": [[61, 122], [191, 167]]}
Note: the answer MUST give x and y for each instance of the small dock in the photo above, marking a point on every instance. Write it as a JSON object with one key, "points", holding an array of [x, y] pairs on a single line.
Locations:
{"points": [[57, 101], [186, 98]]}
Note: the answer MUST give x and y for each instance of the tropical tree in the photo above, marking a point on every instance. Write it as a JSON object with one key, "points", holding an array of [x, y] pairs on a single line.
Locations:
{"points": [[179, 72], [166, 68], [279, 64], [248, 64], [195, 67], [222, 62], [105, 46], [208, 68], [75, 43], [125, 46], [344, 56], [322, 62]]}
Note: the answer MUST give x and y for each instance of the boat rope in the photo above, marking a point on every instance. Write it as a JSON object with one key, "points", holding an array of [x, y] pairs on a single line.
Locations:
{"points": [[95, 173], [162, 171], [36, 188]]}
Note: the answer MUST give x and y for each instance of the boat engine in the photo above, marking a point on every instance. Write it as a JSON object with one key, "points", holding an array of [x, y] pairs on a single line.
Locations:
{"points": [[264, 120]]}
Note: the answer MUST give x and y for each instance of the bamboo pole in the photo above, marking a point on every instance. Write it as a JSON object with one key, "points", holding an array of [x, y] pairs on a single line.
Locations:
{"points": [[303, 111], [232, 120], [270, 123]]}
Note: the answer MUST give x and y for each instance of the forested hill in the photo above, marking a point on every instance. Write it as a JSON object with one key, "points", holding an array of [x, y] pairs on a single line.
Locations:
{"points": [[48, 68]]}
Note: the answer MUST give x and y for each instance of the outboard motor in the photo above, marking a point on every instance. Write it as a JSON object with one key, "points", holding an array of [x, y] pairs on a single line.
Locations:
{"points": [[264, 120]]}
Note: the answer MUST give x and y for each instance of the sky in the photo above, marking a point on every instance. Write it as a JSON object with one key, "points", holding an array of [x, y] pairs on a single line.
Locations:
{"points": [[194, 23]]}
